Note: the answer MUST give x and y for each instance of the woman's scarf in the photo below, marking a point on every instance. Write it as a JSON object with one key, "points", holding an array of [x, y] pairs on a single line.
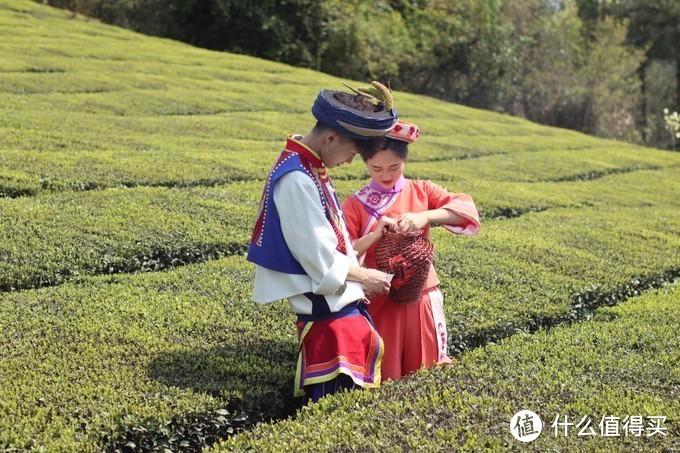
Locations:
{"points": [[376, 200]]}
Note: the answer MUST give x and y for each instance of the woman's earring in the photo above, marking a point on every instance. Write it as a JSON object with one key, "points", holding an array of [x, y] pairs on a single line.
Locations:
{"points": [[328, 149]]}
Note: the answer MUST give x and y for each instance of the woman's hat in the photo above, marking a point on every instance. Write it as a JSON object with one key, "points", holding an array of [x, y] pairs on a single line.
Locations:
{"points": [[404, 131]]}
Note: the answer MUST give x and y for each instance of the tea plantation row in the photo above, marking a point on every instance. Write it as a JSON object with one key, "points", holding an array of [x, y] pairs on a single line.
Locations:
{"points": [[88, 106], [130, 174], [89, 363], [53, 238], [606, 376]]}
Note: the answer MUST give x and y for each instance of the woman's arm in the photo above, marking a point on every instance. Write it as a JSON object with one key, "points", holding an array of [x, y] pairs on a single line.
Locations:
{"points": [[414, 221], [364, 243], [454, 211]]}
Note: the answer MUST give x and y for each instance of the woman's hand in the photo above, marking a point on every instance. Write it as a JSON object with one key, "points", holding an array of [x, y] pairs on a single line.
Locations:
{"points": [[385, 222], [375, 282], [412, 221], [364, 243]]}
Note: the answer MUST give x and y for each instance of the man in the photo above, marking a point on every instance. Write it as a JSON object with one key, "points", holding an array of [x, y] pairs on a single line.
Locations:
{"points": [[302, 251]]}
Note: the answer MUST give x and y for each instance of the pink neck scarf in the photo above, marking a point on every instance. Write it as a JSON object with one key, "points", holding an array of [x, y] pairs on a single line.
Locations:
{"points": [[376, 199]]}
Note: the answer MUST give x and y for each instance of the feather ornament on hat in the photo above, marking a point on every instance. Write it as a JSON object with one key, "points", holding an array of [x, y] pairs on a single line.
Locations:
{"points": [[362, 125]]}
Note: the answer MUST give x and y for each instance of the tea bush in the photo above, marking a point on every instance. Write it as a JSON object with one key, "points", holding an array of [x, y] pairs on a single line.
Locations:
{"points": [[618, 364], [130, 175]]}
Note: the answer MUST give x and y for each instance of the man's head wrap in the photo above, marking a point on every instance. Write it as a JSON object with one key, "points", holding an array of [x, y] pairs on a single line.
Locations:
{"points": [[353, 122]]}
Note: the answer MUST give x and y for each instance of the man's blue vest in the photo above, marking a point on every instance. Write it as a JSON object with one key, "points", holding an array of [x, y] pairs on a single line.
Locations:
{"points": [[268, 247]]}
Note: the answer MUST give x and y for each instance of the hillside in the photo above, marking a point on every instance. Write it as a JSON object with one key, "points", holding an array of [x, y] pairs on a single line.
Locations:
{"points": [[130, 173]]}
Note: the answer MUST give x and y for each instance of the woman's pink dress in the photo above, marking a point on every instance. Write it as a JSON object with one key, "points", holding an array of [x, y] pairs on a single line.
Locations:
{"points": [[414, 334]]}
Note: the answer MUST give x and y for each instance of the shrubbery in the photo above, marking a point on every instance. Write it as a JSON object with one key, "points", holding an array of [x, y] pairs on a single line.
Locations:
{"points": [[150, 359], [127, 155], [615, 365], [152, 350], [569, 64], [54, 238]]}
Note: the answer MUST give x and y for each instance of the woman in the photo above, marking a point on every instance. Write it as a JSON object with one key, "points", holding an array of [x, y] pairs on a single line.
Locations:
{"points": [[302, 252], [414, 334]]}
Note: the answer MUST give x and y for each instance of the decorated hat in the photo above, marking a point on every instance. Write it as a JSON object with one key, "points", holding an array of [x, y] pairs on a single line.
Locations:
{"points": [[404, 131], [330, 111]]}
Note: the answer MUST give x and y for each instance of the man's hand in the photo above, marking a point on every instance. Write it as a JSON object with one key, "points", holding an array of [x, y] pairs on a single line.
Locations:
{"points": [[375, 282]]}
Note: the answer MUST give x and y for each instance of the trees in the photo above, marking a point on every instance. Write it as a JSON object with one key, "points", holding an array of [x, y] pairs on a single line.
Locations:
{"points": [[536, 59], [363, 40], [654, 26], [568, 63], [282, 30], [461, 55], [542, 81], [611, 84]]}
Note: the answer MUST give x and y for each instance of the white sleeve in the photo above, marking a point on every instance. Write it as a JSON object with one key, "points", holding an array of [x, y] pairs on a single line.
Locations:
{"points": [[308, 234]]}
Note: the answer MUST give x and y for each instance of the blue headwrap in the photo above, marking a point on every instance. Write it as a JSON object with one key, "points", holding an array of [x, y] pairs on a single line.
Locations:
{"points": [[352, 122]]}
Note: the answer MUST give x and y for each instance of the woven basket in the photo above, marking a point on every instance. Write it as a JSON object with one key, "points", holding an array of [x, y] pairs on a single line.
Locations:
{"points": [[408, 256]]}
